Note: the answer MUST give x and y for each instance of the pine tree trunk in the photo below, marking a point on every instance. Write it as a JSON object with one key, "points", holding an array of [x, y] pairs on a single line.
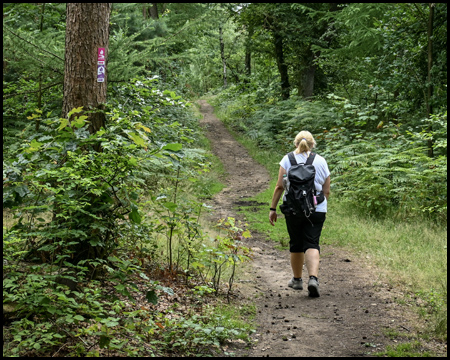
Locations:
{"points": [[87, 29]]}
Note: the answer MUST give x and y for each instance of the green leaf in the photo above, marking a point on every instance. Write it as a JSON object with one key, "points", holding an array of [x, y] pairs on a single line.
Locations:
{"points": [[94, 242], [64, 123], [34, 146], [151, 297], [137, 139], [119, 287], [104, 341], [132, 161], [167, 290], [78, 317], [135, 217], [79, 121], [112, 323], [170, 205], [74, 111], [143, 276], [21, 190], [173, 147], [45, 300]]}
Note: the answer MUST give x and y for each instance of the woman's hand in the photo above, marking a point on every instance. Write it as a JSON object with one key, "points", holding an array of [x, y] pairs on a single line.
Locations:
{"points": [[272, 217]]}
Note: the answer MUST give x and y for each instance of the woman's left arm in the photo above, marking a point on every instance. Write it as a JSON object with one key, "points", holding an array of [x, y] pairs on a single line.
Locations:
{"points": [[326, 187]]}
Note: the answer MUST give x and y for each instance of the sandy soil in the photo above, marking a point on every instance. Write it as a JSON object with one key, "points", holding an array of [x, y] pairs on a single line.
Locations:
{"points": [[356, 310]]}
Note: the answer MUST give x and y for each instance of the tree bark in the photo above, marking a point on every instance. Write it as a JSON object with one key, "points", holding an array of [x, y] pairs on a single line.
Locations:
{"points": [[248, 55], [151, 11], [154, 11], [87, 29], [248, 65], [430, 142], [282, 67], [308, 82], [222, 55]]}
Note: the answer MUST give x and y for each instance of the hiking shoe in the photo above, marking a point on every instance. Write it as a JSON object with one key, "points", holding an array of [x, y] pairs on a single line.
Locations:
{"points": [[313, 287], [296, 284]]}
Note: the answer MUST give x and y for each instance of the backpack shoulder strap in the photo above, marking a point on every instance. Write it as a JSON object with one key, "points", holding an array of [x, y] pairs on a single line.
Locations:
{"points": [[292, 159], [310, 159]]}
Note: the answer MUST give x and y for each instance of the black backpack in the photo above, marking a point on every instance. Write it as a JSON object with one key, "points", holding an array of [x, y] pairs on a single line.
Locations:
{"points": [[300, 193]]}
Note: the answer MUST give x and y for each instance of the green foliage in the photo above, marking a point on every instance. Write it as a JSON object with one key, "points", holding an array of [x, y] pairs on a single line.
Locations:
{"points": [[133, 44], [387, 171], [382, 166], [212, 261], [89, 216], [88, 193], [34, 40], [201, 333], [57, 303], [65, 307]]}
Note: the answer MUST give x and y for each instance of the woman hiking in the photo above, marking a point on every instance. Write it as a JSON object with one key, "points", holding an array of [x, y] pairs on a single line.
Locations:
{"points": [[304, 227]]}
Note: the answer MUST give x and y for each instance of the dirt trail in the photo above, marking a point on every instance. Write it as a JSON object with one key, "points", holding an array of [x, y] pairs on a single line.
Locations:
{"points": [[352, 313]]}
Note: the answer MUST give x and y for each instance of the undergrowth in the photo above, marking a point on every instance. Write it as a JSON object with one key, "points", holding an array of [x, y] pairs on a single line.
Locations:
{"points": [[104, 251]]}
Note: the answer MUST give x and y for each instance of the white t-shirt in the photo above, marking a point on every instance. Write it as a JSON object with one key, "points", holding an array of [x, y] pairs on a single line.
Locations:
{"points": [[322, 172]]}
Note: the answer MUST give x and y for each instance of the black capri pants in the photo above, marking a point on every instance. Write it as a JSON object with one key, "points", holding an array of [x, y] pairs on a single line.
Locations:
{"points": [[304, 233]]}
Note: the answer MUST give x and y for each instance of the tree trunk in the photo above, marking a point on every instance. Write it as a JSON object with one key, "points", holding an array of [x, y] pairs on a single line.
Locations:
{"points": [[151, 11], [282, 67], [430, 142], [87, 29], [222, 54], [308, 82], [39, 96], [248, 55], [154, 11], [248, 65]]}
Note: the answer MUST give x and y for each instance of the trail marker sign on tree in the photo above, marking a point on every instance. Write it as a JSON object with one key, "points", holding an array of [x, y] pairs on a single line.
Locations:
{"points": [[101, 68]]}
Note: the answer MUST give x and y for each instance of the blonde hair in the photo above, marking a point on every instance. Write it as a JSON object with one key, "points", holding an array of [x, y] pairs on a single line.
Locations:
{"points": [[304, 142]]}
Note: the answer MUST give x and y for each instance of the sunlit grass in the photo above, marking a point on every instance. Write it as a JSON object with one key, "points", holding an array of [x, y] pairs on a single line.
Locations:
{"points": [[415, 252]]}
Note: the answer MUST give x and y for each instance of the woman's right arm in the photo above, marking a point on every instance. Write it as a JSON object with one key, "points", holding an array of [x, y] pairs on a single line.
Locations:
{"points": [[276, 196]]}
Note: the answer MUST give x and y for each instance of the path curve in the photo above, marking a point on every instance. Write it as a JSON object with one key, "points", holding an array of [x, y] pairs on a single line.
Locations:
{"points": [[355, 309], [244, 176]]}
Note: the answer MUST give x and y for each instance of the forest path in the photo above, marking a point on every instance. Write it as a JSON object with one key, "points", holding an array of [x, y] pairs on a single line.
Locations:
{"points": [[352, 312]]}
